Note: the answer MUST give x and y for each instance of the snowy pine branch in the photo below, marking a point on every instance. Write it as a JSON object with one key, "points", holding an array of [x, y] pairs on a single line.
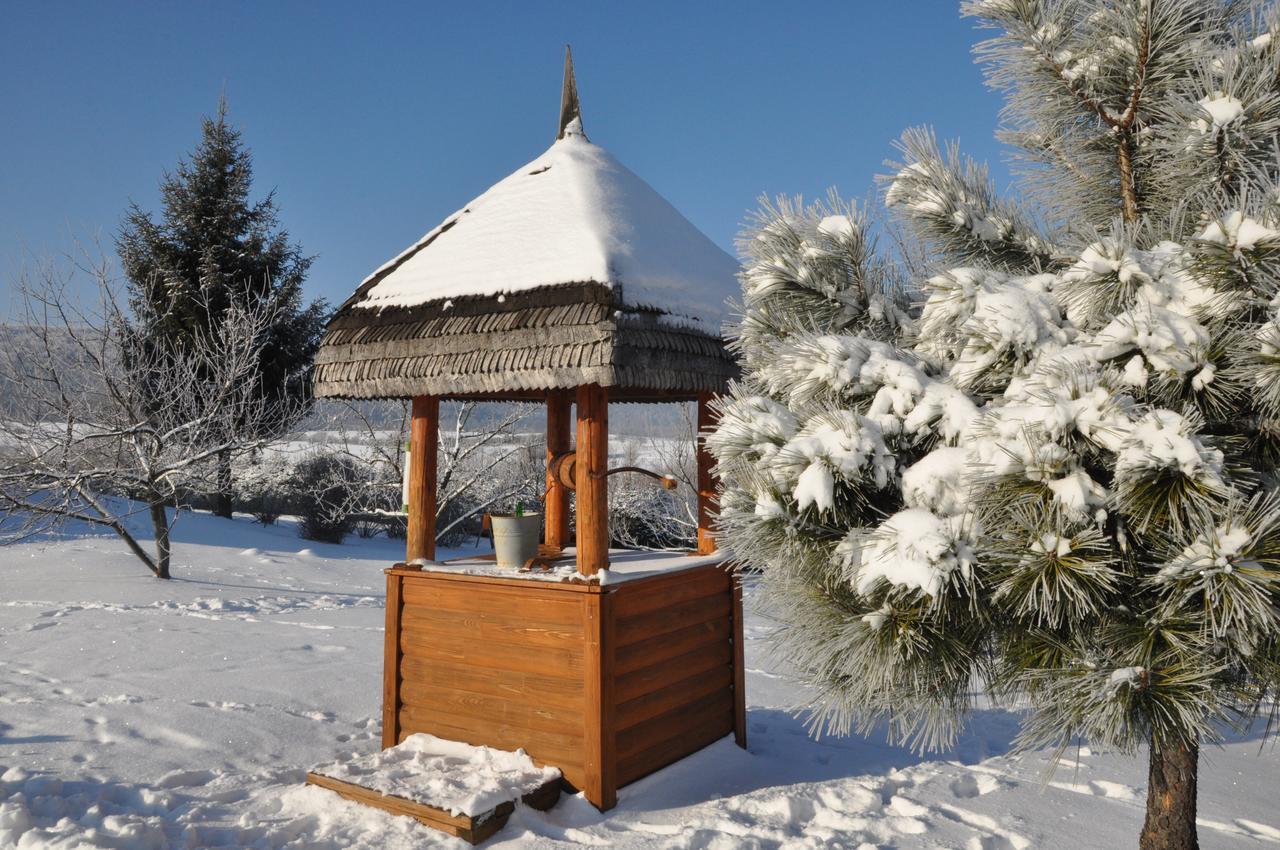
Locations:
{"points": [[952, 204]]}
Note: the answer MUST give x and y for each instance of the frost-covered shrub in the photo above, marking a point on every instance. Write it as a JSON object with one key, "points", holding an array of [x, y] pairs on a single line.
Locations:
{"points": [[503, 471], [644, 515], [264, 487], [327, 486]]}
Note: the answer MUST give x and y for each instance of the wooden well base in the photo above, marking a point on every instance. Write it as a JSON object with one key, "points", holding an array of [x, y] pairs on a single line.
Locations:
{"points": [[472, 828], [608, 683]]}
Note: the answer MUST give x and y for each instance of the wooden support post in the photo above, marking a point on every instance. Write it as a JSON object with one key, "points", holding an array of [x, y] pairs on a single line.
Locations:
{"points": [[706, 482], [391, 663], [424, 434], [556, 532], [592, 485], [600, 737], [739, 665], [608, 703]]}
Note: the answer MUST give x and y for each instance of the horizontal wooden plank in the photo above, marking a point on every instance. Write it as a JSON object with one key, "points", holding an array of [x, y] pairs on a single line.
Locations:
{"points": [[533, 602], [698, 712], [675, 748], [656, 677], [565, 662], [516, 584], [673, 696], [491, 626], [518, 713], [540, 636], [472, 828], [673, 618], [665, 647], [440, 819], [418, 634], [559, 749], [541, 689], [679, 587]]}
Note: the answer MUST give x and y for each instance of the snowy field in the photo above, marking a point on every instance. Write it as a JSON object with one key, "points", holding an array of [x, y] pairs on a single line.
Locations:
{"points": [[141, 714]]}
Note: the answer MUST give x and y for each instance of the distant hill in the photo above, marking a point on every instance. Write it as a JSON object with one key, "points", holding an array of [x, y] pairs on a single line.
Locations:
{"points": [[23, 338]]}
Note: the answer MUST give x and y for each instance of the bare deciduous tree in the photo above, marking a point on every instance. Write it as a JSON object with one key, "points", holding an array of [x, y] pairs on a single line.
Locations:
{"points": [[486, 468], [82, 438], [481, 466], [644, 515]]}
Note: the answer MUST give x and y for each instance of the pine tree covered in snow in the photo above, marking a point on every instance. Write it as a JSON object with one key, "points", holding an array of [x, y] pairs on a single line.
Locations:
{"points": [[214, 252], [1057, 479]]}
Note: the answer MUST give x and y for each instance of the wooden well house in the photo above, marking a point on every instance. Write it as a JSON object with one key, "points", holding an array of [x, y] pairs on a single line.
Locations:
{"points": [[570, 282]]}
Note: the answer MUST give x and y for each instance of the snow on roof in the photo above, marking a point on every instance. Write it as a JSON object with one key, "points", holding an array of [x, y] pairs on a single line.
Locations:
{"points": [[573, 215]]}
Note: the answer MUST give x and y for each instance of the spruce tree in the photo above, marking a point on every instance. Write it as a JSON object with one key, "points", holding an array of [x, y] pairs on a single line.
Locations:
{"points": [[1055, 480], [214, 249]]}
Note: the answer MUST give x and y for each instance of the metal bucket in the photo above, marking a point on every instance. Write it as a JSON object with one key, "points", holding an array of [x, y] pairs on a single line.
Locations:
{"points": [[515, 538]]}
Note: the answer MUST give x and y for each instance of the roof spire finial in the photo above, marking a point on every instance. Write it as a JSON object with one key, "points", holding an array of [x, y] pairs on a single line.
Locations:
{"points": [[570, 109]]}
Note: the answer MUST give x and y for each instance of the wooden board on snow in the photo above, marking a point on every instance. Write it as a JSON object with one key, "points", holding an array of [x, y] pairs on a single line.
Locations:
{"points": [[470, 828]]}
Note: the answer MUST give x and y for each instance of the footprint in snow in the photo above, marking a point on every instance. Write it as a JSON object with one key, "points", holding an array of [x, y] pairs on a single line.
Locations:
{"points": [[784, 808], [992, 835], [97, 731], [991, 842], [317, 716], [230, 795], [972, 785], [850, 799], [118, 699], [909, 814], [907, 808], [892, 785], [1098, 788], [186, 778], [1114, 790], [221, 706]]}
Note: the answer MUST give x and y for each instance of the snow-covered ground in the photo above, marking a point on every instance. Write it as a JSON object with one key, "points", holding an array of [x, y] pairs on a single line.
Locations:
{"points": [[136, 713]]}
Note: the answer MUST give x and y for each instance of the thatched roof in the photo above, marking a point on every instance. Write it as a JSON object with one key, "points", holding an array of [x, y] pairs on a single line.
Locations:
{"points": [[570, 271]]}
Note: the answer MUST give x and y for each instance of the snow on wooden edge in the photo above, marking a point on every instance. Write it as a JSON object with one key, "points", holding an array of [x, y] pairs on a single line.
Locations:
{"points": [[624, 565], [461, 779]]}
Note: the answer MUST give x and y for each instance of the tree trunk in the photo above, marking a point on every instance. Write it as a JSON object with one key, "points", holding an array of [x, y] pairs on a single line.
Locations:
{"points": [[1128, 191], [134, 546], [1171, 798], [160, 525], [222, 499]]}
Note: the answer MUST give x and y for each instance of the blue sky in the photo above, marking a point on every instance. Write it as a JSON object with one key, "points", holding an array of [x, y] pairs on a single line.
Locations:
{"points": [[372, 121]]}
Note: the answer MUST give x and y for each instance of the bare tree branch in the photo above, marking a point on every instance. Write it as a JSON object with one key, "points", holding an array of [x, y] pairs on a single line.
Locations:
{"points": [[96, 417]]}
